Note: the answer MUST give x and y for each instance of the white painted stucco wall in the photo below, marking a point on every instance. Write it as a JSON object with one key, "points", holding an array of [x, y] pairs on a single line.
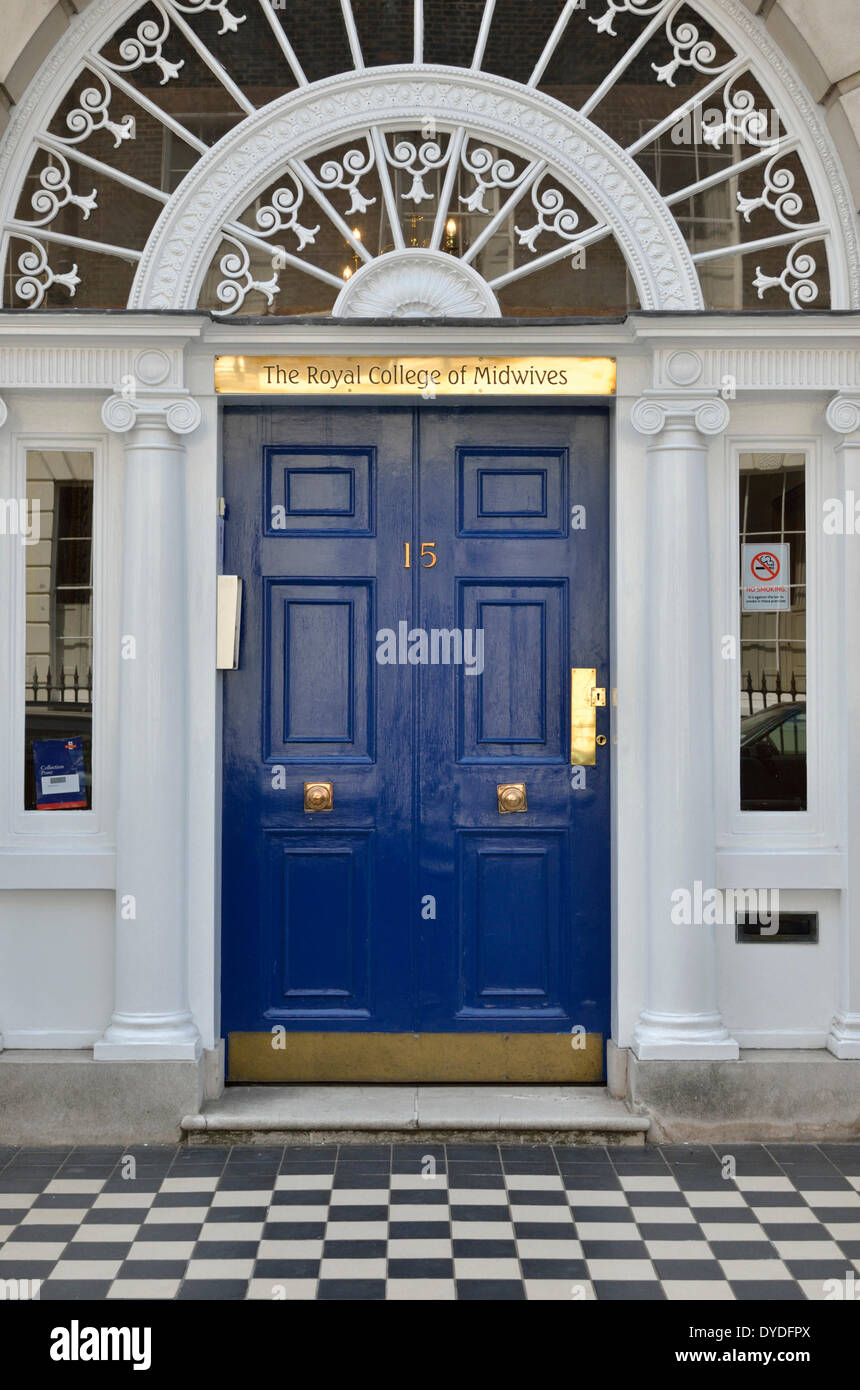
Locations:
{"points": [[56, 967]]}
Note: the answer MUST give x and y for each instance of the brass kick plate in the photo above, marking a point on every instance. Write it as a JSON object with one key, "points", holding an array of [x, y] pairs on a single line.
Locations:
{"points": [[339, 1058]]}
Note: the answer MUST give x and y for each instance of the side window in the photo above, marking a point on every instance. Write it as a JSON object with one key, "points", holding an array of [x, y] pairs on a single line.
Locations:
{"points": [[773, 632], [58, 674]]}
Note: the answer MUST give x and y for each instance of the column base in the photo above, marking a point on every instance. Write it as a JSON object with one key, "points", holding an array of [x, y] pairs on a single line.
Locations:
{"points": [[843, 1039], [152, 1037], [770, 1094], [661, 1037]]}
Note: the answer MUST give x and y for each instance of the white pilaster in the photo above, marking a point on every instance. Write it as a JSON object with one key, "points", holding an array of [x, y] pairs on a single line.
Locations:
{"points": [[151, 1018], [843, 416], [681, 1017], [4, 415]]}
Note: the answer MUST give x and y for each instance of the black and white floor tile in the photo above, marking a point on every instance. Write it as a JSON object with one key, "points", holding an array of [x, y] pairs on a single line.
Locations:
{"points": [[425, 1221]]}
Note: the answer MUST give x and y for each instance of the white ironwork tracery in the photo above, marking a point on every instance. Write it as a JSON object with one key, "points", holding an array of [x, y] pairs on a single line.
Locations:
{"points": [[438, 175]]}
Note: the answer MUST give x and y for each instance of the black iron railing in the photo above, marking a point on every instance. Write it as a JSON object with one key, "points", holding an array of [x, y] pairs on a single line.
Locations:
{"points": [[67, 689], [774, 694]]}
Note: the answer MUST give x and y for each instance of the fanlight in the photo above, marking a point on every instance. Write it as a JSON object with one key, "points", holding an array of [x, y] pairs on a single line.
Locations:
{"points": [[427, 213]]}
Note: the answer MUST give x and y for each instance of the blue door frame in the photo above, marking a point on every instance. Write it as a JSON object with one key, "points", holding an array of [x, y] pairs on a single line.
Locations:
{"points": [[413, 905]]}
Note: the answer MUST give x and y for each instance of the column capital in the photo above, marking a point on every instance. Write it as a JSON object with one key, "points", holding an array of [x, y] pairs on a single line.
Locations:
{"points": [[843, 413], [179, 414], [708, 414]]}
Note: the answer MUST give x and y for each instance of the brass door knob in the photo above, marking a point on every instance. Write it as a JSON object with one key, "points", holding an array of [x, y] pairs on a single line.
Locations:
{"points": [[319, 796], [512, 797]]}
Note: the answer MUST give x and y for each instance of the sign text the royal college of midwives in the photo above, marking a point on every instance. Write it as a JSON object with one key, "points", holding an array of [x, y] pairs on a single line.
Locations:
{"points": [[427, 376]]}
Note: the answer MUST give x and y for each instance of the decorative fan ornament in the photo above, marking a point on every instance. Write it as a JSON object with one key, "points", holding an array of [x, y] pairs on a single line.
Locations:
{"points": [[416, 284]]}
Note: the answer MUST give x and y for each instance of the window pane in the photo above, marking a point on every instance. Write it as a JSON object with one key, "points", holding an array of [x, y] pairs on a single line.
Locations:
{"points": [[773, 632], [58, 676]]}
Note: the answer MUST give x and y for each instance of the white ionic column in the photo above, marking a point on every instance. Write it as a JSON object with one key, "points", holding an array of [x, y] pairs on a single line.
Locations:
{"points": [[151, 1018], [681, 1017], [843, 416]]}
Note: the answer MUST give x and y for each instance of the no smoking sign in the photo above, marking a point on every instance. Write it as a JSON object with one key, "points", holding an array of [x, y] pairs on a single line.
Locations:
{"points": [[767, 578]]}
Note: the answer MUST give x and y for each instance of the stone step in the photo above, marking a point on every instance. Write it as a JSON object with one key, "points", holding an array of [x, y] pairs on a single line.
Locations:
{"points": [[347, 1114]]}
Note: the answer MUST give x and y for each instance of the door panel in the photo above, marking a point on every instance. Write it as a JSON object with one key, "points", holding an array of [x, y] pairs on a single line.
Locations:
{"points": [[313, 915], [319, 492], [414, 910], [320, 655], [322, 915], [512, 492], [540, 597], [511, 957], [516, 707]]}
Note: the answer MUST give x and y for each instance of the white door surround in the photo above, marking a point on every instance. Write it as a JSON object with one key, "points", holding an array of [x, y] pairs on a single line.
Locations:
{"points": [[672, 427], [110, 924]]}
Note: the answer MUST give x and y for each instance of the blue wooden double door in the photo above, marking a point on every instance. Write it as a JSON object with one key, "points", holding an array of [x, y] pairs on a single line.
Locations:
{"points": [[419, 581]]}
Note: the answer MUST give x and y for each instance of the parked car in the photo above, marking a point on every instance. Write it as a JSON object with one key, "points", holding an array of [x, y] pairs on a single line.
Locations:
{"points": [[773, 759]]}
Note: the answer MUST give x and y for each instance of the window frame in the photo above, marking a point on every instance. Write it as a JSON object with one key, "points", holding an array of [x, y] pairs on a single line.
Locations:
{"points": [[56, 829], [57, 660], [779, 830]]}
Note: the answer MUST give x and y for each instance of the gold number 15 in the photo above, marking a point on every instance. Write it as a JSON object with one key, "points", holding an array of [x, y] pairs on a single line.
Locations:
{"points": [[428, 555]]}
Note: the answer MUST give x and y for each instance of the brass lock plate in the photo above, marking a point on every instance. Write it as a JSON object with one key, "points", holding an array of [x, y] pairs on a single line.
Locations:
{"points": [[586, 697], [511, 797], [319, 796]]}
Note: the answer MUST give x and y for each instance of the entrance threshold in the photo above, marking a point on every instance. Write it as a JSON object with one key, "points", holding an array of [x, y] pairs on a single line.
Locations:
{"points": [[359, 1114]]}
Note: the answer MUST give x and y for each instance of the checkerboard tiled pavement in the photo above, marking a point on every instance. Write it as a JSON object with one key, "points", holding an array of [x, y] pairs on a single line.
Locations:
{"points": [[368, 1222]]}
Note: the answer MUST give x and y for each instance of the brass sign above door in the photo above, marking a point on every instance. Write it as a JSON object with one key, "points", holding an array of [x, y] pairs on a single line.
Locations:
{"points": [[411, 376]]}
